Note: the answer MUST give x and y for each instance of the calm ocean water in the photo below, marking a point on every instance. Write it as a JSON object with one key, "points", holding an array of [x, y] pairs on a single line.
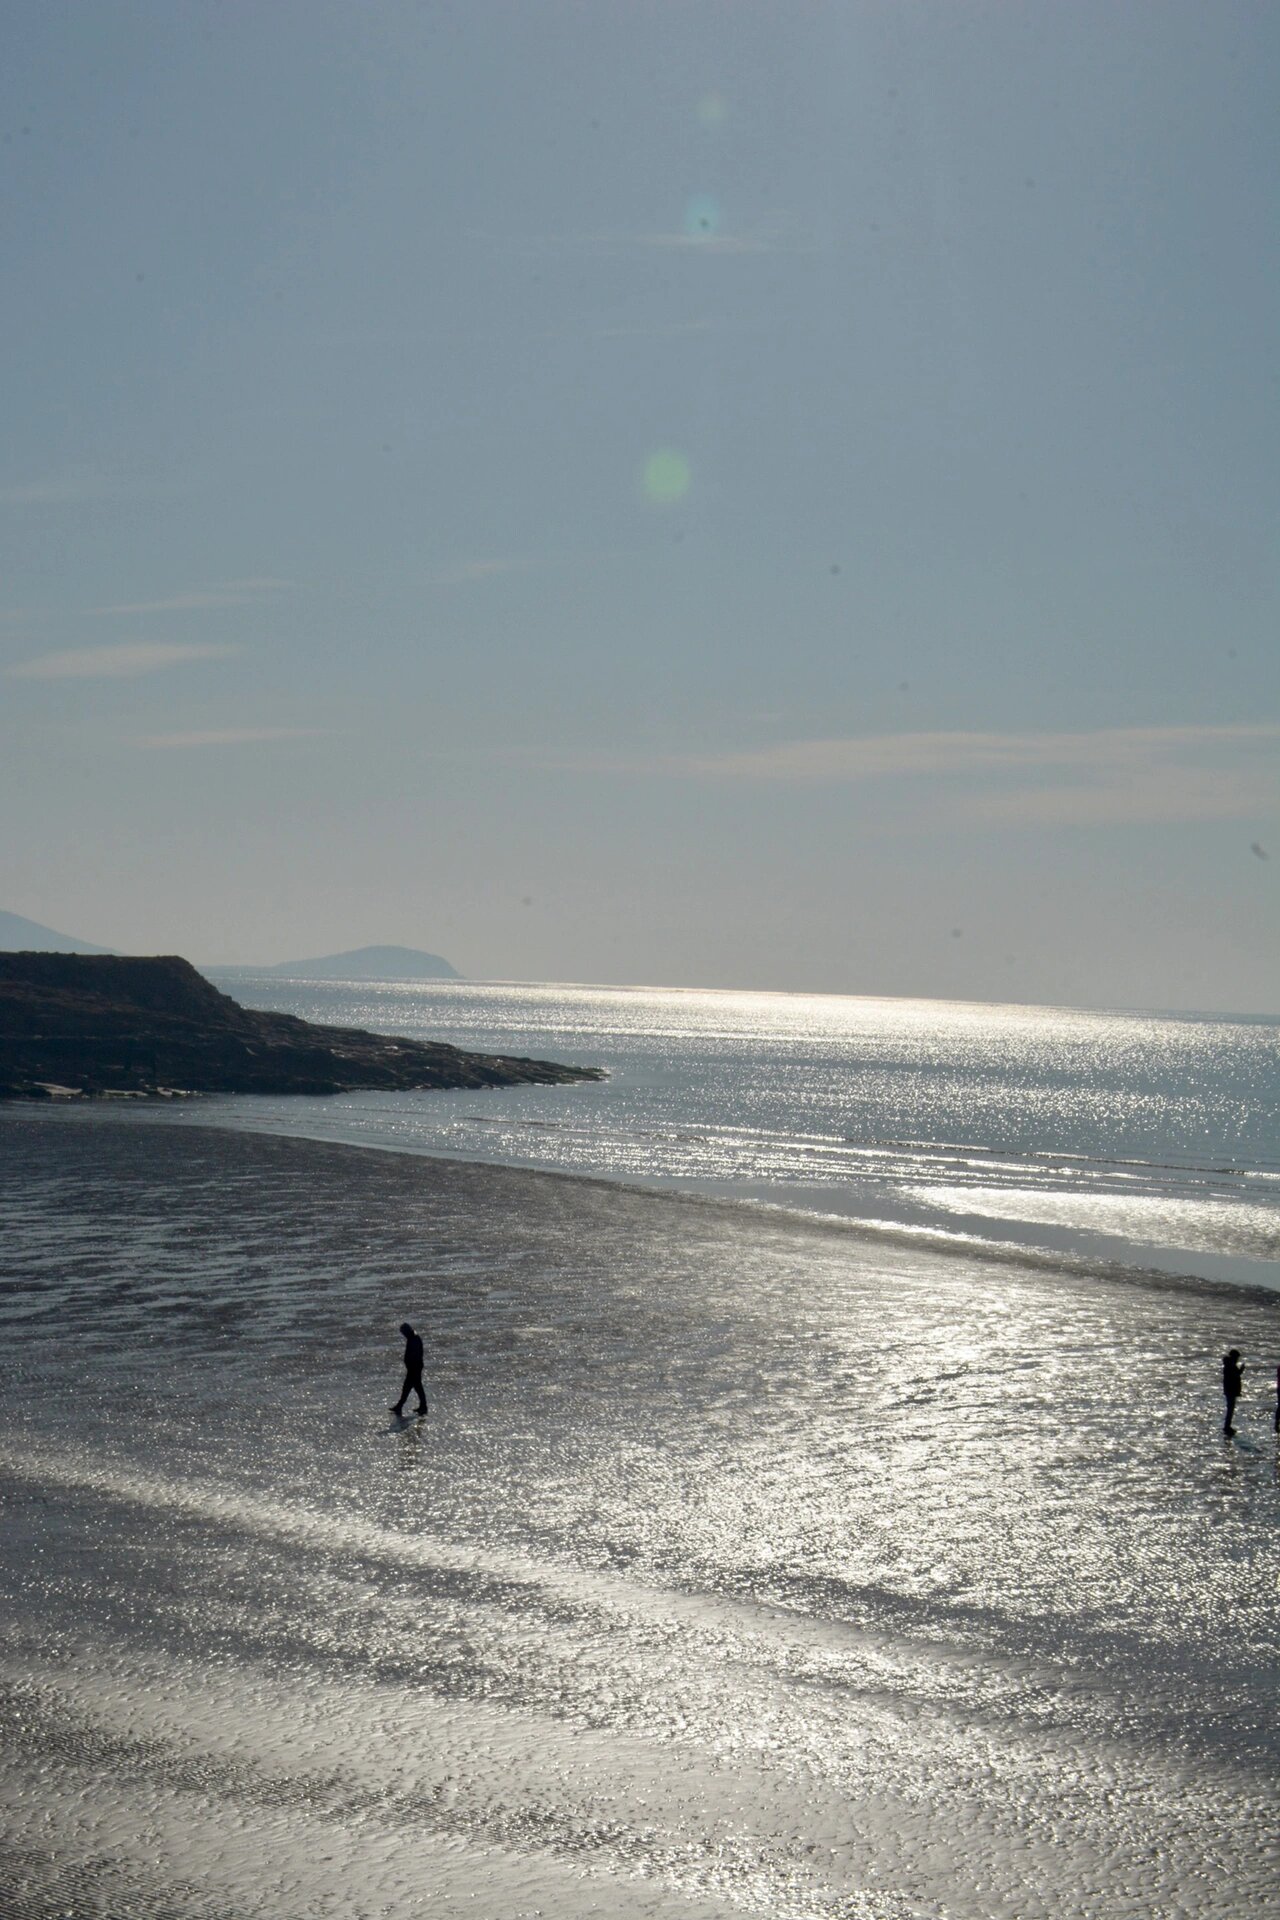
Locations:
{"points": [[1148, 1140], [745, 1565]]}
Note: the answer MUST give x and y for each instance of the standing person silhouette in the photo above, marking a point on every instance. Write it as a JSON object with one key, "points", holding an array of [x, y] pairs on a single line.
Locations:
{"points": [[1232, 1376], [412, 1370]]}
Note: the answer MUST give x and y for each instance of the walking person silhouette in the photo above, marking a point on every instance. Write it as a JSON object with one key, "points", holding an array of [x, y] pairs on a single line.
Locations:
{"points": [[1232, 1377], [412, 1370]]}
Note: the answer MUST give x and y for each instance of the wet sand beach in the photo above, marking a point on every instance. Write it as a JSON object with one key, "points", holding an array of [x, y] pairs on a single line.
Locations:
{"points": [[743, 1564]]}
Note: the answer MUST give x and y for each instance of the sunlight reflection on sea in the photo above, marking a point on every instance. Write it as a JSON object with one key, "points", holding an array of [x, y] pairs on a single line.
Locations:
{"points": [[1151, 1139]]}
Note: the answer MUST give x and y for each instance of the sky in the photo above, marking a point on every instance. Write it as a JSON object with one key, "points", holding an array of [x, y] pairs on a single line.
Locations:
{"points": [[739, 495]]}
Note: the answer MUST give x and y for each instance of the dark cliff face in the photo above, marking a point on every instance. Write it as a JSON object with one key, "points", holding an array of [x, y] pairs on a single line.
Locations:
{"points": [[103, 1023]]}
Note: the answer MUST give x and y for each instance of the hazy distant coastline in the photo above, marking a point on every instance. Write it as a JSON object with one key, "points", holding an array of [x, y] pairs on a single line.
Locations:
{"points": [[360, 963], [18, 934]]}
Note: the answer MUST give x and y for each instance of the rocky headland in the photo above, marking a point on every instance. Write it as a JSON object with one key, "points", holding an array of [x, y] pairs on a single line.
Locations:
{"points": [[103, 1024]]}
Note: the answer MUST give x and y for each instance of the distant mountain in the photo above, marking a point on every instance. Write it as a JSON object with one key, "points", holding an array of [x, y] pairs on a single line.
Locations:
{"points": [[20, 935], [370, 963]]}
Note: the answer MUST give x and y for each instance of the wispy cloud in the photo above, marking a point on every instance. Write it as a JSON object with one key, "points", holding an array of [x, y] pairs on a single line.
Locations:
{"points": [[229, 737], [550, 244], [115, 663], [464, 572], [582, 328], [776, 233], [638, 330], [1142, 795], [69, 488], [710, 242], [1108, 776], [1113, 751], [228, 593]]}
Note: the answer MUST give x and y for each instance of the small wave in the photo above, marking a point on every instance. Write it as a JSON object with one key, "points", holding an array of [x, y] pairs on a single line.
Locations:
{"points": [[1254, 1278]]}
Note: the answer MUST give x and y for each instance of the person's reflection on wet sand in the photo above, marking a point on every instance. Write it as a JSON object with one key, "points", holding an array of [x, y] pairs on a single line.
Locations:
{"points": [[409, 1449]]}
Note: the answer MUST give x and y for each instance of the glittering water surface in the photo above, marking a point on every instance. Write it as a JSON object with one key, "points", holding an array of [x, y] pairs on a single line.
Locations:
{"points": [[744, 1563], [1145, 1139]]}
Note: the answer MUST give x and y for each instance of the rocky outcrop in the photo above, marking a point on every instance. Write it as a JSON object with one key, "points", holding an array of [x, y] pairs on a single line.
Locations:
{"points": [[96, 1024]]}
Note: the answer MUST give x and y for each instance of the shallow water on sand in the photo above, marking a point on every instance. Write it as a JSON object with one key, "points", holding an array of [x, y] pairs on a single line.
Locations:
{"points": [[1147, 1140], [742, 1564]]}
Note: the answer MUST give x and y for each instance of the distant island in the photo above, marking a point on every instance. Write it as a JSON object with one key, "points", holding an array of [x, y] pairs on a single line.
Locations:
{"points": [[362, 963], [86, 1024], [20, 935]]}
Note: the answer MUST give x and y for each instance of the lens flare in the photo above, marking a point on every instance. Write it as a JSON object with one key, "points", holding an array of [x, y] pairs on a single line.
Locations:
{"points": [[702, 217], [666, 477], [713, 110]]}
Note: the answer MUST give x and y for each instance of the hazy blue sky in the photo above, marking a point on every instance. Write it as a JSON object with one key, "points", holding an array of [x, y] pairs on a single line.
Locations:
{"points": [[742, 494]]}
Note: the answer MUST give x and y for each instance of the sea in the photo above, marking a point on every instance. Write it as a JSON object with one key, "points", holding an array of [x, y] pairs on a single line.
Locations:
{"points": [[823, 1510], [1141, 1139]]}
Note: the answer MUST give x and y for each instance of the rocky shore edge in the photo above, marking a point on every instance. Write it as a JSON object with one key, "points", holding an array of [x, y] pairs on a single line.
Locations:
{"points": [[82, 1026]]}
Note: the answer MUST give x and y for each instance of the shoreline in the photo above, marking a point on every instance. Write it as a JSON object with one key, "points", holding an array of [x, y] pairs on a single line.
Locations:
{"points": [[1073, 1263]]}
